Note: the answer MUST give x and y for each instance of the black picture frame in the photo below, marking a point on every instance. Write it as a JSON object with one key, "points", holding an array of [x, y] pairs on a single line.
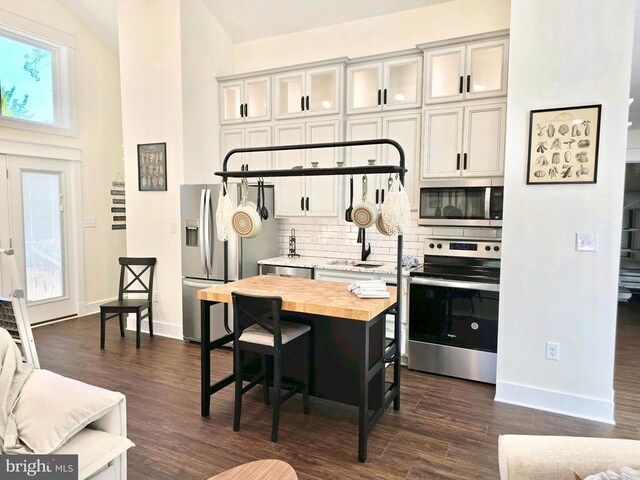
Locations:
{"points": [[563, 145], [152, 167]]}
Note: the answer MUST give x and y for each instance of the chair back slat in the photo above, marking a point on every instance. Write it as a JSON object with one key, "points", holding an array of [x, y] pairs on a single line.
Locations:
{"points": [[138, 283], [251, 310]]}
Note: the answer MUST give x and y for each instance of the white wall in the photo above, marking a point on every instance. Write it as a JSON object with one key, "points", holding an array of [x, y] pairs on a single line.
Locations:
{"points": [[386, 33], [151, 85], [169, 94], [207, 51], [550, 292], [99, 139]]}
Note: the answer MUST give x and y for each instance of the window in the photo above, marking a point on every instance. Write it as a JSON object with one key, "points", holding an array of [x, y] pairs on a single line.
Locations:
{"points": [[36, 73], [26, 81]]}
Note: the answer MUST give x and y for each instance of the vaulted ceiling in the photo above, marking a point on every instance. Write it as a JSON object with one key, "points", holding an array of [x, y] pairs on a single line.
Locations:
{"points": [[246, 20]]}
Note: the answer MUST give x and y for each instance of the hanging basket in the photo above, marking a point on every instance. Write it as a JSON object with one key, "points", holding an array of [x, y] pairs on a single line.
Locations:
{"points": [[396, 210]]}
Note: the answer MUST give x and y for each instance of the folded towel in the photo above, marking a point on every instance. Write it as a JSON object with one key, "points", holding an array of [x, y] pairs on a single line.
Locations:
{"points": [[369, 289], [368, 285], [372, 293]]}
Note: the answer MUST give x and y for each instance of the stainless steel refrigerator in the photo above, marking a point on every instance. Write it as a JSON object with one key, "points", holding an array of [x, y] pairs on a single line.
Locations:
{"points": [[203, 253]]}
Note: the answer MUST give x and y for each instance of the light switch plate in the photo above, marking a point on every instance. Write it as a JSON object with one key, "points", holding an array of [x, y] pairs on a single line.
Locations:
{"points": [[586, 242], [89, 222]]}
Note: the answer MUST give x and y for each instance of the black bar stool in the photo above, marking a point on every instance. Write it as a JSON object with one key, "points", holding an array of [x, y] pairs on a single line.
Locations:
{"points": [[122, 306], [257, 328]]}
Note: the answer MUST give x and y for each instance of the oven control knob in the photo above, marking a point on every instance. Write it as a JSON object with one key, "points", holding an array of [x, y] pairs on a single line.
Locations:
{"points": [[495, 249], [439, 245], [487, 248], [475, 326], [431, 245]]}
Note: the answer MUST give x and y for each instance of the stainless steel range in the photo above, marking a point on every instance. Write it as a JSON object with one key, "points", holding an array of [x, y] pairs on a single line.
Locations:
{"points": [[453, 309]]}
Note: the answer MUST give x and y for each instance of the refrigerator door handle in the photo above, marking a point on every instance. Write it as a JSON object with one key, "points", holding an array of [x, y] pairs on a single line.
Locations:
{"points": [[208, 246], [201, 240]]}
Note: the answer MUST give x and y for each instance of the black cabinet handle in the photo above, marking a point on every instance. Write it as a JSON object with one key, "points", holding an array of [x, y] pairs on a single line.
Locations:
{"points": [[302, 103], [465, 161], [379, 97], [385, 96], [468, 83], [458, 162], [307, 204], [246, 110], [382, 196], [377, 196], [302, 203], [461, 82], [307, 102], [241, 111]]}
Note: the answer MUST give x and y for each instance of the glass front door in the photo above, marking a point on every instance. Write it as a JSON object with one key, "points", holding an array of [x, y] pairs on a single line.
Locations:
{"points": [[36, 226]]}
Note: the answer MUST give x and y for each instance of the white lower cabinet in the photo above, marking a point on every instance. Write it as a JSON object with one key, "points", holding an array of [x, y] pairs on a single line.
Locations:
{"points": [[307, 196], [349, 277], [405, 129]]}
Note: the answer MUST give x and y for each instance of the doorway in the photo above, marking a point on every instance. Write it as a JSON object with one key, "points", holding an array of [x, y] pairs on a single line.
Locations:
{"points": [[37, 222]]}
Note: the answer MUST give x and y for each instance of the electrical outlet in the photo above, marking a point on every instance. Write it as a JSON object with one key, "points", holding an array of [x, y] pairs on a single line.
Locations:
{"points": [[553, 351], [156, 297], [586, 242]]}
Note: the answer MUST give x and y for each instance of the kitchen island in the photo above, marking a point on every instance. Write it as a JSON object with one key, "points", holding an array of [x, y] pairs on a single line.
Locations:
{"points": [[349, 351]]}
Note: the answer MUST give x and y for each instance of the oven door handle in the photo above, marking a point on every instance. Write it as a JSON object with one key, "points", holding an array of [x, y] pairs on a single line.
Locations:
{"points": [[434, 282]]}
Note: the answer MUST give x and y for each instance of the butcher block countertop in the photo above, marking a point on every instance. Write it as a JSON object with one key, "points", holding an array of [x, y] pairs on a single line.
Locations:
{"points": [[302, 295]]}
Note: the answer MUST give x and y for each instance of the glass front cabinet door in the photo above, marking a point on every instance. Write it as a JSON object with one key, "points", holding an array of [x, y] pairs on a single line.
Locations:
{"points": [[385, 85], [245, 100], [466, 72], [308, 92]]}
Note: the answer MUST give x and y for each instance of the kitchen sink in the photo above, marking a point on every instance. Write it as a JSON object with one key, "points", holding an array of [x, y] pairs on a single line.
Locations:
{"points": [[340, 262], [368, 265]]}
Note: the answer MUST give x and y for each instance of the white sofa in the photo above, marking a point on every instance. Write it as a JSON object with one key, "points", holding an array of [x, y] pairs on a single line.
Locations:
{"points": [[528, 457], [59, 415]]}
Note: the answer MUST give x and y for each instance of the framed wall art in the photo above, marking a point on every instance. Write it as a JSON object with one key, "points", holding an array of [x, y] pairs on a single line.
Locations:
{"points": [[563, 145], [152, 167]]}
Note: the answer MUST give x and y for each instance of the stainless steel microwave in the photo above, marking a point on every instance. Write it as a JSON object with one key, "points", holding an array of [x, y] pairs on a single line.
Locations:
{"points": [[468, 202]]}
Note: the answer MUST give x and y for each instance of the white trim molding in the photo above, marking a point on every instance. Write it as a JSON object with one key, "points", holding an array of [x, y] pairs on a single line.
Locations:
{"points": [[40, 150], [94, 307], [161, 329], [589, 408]]}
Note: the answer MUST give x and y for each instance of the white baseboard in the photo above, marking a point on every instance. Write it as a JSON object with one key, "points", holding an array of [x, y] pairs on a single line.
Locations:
{"points": [[159, 328], [94, 307], [556, 402]]}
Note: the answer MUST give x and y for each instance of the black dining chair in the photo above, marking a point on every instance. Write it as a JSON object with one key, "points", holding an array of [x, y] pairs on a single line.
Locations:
{"points": [[118, 308], [258, 328]]}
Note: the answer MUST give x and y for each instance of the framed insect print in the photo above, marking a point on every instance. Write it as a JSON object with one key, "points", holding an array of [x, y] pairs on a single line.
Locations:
{"points": [[563, 145]]}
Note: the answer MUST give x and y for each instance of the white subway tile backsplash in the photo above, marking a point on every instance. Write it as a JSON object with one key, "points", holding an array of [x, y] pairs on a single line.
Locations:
{"points": [[335, 238]]}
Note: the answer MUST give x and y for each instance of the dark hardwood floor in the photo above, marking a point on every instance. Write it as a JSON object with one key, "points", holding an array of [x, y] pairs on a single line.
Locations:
{"points": [[446, 429]]}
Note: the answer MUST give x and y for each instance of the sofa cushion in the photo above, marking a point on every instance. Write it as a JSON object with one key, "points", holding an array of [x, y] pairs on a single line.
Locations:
{"points": [[52, 408], [625, 474], [523, 457], [94, 449]]}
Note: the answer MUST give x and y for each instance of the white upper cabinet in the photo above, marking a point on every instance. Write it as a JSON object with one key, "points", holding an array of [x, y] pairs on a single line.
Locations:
{"points": [[384, 85], [245, 137], [308, 92], [464, 141], [313, 196], [405, 129], [466, 72], [245, 100]]}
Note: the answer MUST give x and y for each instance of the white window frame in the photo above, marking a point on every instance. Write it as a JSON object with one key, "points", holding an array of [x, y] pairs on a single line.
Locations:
{"points": [[62, 47]]}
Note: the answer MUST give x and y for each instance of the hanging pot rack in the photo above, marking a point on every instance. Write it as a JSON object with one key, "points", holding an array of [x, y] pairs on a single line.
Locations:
{"points": [[392, 346]]}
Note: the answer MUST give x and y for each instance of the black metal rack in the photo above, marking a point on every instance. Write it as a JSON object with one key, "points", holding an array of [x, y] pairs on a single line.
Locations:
{"points": [[391, 354]]}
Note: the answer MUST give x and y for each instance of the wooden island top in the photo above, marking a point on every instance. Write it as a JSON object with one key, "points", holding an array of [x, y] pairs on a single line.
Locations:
{"points": [[302, 295]]}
